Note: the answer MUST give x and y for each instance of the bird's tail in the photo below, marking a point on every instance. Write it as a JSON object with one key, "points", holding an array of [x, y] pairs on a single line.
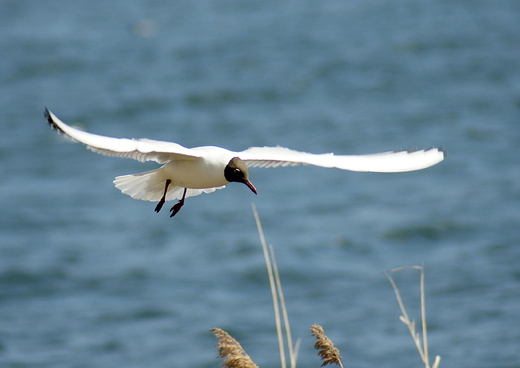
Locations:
{"points": [[149, 186]]}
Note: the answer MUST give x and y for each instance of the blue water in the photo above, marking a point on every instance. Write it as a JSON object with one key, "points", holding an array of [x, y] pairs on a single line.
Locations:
{"points": [[92, 278]]}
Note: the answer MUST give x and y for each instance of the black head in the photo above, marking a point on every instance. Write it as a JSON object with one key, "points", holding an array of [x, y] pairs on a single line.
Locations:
{"points": [[236, 170]]}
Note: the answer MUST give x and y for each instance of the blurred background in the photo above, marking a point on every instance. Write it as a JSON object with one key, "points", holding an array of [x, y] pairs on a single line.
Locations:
{"points": [[92, 278]]}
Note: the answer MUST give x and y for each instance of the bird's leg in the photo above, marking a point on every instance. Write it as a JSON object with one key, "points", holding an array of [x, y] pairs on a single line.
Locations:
{"points": [[177, 207], [163, 199]]}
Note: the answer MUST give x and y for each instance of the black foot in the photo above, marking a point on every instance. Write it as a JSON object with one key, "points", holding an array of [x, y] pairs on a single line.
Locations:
{"points": [[163, 199], [177, 207], [159, 205]]}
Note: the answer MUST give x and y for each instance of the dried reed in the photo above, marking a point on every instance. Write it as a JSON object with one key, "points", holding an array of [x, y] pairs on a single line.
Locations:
{"points": [[236, 357], [278, 299], [326, 349], [421, 347], [232, 351]]}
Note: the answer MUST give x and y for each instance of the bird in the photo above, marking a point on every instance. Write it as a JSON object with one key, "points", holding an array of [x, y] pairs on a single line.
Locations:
{"points": [[187, 172]]}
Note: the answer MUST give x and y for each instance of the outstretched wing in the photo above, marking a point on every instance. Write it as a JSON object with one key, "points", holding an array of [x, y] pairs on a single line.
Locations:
{"points": [[393, 161], [137, 149]]}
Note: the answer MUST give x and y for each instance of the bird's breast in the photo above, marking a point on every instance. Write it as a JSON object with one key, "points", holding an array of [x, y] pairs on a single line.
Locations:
{"points": [[195, 174]]}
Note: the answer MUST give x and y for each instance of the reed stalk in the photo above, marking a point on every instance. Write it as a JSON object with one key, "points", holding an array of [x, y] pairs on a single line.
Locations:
{"points": [[422, 346]]}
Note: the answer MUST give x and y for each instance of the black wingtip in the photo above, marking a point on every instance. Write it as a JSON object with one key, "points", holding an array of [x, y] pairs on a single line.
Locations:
{"points": [[415, 149], [438, 149], [50, 120], [47, 115]]}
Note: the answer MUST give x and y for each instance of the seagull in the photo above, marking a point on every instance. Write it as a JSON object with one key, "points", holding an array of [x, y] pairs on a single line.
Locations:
{"points": [[187, 172]]}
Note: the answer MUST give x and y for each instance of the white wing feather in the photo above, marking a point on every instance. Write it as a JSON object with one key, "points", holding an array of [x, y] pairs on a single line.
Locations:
{"points": [[137, 149], [162, 152], [386, 162]]}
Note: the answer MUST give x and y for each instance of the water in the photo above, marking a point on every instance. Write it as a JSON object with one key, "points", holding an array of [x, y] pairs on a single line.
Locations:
{"points": [[91, 278]]}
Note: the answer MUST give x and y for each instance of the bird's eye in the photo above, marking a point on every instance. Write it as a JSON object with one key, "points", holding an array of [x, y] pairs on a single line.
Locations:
{"points": [[237, 170]]}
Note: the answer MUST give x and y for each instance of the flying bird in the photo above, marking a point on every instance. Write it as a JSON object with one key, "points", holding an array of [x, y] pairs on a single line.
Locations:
{"points": [[187, 172]]}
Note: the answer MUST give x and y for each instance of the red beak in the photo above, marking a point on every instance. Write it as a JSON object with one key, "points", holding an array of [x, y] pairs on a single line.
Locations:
{"points": [[251, 186]]}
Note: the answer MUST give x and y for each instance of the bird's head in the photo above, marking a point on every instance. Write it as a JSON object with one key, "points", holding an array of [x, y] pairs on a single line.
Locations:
{"points": [[236, 170]]}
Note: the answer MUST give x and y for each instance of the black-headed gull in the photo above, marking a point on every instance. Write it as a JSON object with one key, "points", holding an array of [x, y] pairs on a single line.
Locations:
{"points": [[187, 172]]}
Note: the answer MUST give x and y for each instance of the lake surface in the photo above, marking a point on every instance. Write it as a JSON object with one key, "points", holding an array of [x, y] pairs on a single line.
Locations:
{"points": [[92, 278]]}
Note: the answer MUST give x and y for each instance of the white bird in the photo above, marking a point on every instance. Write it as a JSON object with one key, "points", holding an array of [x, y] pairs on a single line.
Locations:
{"points": [[187, 172]]}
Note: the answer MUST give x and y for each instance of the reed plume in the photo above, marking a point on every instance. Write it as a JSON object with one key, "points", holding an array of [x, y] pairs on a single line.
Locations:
{"points": [[326, 349], [232, 351]]}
